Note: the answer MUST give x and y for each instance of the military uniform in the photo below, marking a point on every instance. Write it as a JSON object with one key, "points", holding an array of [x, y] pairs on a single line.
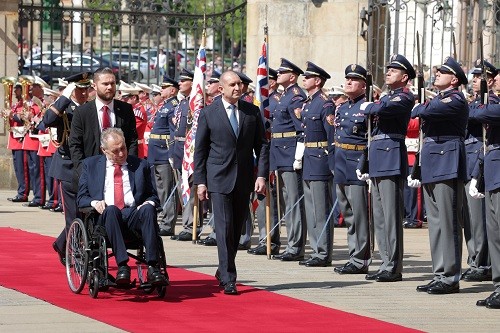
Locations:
{"points": [[286, 131], [443, 169], [388, 168]]}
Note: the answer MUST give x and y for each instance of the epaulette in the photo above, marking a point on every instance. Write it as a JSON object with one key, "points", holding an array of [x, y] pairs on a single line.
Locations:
{"points": [[296, 91], [276, 97], [323, 96], [174, 102], [406, 90]]}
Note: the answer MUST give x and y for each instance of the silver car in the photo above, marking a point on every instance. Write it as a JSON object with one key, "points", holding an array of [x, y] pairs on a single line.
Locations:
{"points": [[139, 67]]}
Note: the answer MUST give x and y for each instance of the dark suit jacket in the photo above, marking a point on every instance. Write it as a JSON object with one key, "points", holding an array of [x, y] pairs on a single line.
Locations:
{"points": [[91, 185], [223, 161], [85, 134]]}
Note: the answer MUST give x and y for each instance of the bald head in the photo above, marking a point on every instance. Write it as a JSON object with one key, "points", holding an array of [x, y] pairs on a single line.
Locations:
{"points": [[230, 87]]}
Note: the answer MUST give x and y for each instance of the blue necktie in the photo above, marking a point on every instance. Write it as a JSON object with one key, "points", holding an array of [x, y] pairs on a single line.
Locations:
{"points": [[233, 120]]}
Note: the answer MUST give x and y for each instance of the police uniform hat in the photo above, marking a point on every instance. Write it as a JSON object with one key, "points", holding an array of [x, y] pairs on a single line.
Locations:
{"points": [[337, 91], [168, 82], [490, 69], [288, 66], [400, 62], [61, 82], [245, 79], [41, 82], [315, 70], [130, 91], [355, 70], [81, 80], [144, 87], [50, 92], [214, 78], [273, 74], [186, 75], [453, 67]]}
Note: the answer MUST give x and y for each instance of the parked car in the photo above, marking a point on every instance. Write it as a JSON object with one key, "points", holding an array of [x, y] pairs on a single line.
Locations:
{"points": [[182, 59], [70, 64], [45, 57], [139, 67]]}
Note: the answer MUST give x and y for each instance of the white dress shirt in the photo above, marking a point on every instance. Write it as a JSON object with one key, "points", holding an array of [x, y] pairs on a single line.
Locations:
{"points": [[109, 186]]}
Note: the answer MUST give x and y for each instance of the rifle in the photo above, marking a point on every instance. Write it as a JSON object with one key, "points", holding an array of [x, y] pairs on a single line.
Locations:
{"points": [[416, 172], [484, 100]]}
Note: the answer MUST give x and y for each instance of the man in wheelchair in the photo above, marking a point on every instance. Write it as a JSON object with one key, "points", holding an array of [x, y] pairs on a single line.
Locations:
{"points": [[120, 189]]}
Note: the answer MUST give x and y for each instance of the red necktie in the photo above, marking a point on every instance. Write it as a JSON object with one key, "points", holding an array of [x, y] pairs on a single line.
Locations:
{"points": [[118, 181], [106, 120]]}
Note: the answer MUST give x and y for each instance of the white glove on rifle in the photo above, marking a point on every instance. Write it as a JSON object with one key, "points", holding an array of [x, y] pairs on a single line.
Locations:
{"points": [[299, 153], [473, 192], [413, 182], [362, 176], [69, 90]]}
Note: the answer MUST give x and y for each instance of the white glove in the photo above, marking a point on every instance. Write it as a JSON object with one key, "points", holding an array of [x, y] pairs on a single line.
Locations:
{"points": [[473, 192], [413, 182], [299, 153], [369, 182], [364, 105], [297, 164], [362, 176], [69, 90]]}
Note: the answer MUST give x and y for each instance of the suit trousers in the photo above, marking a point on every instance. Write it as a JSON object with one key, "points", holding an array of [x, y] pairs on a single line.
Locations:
{"points": [[353, 203], [295, 220], [141, 220], [318, 204], [230, 211], [493, 228], [165, 184], [475, 232], [36, 182], [68, 194], [444, 216], [388, 212]]}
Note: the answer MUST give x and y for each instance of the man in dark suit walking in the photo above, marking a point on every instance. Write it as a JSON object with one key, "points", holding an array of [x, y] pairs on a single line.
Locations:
{"points": [[90, 119], [121, 190], [229, 132]]}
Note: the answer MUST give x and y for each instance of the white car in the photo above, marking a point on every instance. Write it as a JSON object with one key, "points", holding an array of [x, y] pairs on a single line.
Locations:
{"points": [[139, 67]]}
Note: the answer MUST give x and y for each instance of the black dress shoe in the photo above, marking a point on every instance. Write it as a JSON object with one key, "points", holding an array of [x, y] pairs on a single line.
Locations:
{"points": [[155, 277], [292, 257], [350, 268], [317, 262], [183, 236], [242, 247], [425, 287], [303, 262], [412, 224], [477, 276], [123, 276], [372, 277], [493, 302], [279, 256], [58, 209], [261, 250], [386, 276], [32, 204], [209, 241], [45, 207], [441, 288], [217, 276], [164, 232], [230, 288], [62, 255], [18, 199]]}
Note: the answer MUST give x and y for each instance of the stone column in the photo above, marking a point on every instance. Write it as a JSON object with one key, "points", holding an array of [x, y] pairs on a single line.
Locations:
{"points": [[326, 32], [8, 67]]}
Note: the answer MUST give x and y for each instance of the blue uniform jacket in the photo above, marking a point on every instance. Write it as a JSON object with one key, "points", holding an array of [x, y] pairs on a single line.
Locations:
{"points": [[159, 149], [180, 132], [490, 115], [444, 120], [350, 128], [387, 151], [285, 119], [316, 131]]}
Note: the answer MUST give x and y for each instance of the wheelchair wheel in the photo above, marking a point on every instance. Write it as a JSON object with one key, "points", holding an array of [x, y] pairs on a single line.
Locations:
{"points": [[77, 257], [161, 291], [94, 284]]}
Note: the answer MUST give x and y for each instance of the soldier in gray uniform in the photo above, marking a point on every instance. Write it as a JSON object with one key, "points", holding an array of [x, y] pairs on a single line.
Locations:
{"points": [[444, 120], [388, 166], [316, 175], [475, 221], [490, 115], [159, 146], [286, 146], [348, 146]]}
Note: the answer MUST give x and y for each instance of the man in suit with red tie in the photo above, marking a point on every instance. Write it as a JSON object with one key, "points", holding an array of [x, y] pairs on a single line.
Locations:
{"points": [[229, 132], [90, 119], [121, 190]]}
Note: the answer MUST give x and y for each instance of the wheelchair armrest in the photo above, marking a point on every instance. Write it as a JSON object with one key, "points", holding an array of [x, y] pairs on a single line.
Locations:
{"points": [[87, 210]]}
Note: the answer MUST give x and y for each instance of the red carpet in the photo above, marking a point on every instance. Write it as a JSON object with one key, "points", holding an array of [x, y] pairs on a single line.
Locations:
{"points": [[194, 302]]}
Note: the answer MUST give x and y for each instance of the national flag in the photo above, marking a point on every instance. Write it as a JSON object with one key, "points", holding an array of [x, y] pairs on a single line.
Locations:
{"points": [[196, 103], [261, 98]]}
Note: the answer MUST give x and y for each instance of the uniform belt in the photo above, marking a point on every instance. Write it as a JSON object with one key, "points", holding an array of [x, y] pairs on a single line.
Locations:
{"points": [[348, 146], [442, 138], [320, 144], [179, 138], [471, 140], [159, 136], [388, 136], [283, 135]]}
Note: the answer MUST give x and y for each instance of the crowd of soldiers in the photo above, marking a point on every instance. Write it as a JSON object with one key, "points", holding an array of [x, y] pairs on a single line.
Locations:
{"points": [[336, 158]]}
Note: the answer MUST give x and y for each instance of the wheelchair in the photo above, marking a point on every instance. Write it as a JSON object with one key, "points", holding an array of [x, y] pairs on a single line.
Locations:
{"points": [[87, 258]]}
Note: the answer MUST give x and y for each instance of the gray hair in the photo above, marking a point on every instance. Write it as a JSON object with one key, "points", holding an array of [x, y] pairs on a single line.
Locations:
{"points": [[111, 132]]}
